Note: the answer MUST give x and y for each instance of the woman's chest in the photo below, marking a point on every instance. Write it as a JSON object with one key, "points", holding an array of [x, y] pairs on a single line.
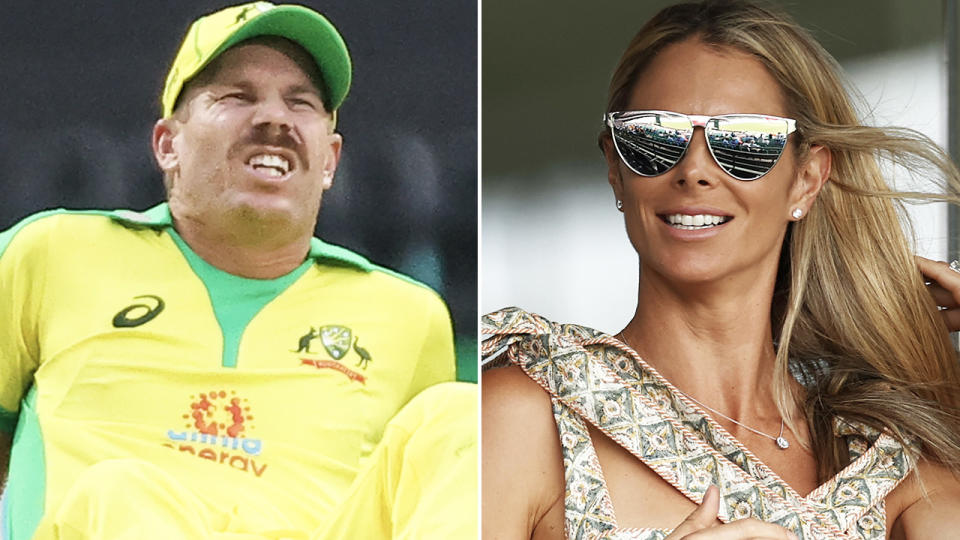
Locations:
{"points": [[619, 483], [642, 498]]}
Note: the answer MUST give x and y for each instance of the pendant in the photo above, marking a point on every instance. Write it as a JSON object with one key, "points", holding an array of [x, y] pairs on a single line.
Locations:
{"points": [[782, 443]]}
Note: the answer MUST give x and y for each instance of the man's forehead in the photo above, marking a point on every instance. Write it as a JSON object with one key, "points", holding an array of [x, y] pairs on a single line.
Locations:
{"points": [[228, 67]]}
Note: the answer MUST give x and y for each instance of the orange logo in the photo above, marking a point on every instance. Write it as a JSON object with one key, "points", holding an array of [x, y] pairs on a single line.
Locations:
{"points": [[217, 427], [213, 415]]}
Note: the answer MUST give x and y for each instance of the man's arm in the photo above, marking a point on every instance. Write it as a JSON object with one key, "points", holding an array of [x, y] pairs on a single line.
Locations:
{"points": [[23, 250], [436, 362], [6, 440]]}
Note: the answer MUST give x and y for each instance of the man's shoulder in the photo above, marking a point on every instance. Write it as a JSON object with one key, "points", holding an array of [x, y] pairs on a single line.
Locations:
{"points": [[63, 225], [379, 278]]}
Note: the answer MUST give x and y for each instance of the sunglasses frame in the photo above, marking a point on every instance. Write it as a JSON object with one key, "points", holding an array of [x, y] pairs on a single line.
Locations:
{"points": [[696, 120]]}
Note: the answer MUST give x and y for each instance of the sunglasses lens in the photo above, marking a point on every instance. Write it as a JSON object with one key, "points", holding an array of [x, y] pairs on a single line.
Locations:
{"points": [[650, 142], [747, 146]]}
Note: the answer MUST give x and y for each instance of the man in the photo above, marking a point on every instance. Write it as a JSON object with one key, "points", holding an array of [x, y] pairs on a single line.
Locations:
{"points": [[208, 368]]}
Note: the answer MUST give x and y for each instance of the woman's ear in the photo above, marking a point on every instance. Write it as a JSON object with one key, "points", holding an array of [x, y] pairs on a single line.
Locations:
{"points": [[613, 165], [811, 176]]}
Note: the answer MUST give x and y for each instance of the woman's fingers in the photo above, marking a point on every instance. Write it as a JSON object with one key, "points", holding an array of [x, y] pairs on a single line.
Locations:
{"points": [[941, 296], [704, 516], [743, 529], [701, 524], [944, 287], [940, 272], [951, 318]]}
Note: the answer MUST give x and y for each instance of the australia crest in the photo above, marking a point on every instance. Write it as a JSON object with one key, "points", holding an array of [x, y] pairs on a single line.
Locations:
{"points": [[336, 340]]}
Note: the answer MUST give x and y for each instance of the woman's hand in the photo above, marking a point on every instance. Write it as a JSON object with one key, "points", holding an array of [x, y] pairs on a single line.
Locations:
{"points": [[944, 287], [701, 524]]}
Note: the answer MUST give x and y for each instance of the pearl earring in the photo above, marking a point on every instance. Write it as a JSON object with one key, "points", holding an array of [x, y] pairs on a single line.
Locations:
{"points": [[797, 213], [619, 205]]}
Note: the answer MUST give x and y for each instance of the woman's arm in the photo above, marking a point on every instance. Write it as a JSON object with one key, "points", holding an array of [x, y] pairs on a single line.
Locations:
{"points": [[934, 516], [522, 466]]}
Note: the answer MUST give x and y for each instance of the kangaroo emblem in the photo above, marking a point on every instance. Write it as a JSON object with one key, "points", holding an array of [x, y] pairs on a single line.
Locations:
{"points": [[365, 357], [306, 339], [242, 16]]}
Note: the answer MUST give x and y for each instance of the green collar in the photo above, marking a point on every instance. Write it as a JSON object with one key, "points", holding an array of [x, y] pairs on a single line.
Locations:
{"points": [[159, 218]]}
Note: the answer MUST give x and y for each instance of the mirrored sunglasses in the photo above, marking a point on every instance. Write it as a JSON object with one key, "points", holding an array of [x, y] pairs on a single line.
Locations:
{"points": [[746, 146]]}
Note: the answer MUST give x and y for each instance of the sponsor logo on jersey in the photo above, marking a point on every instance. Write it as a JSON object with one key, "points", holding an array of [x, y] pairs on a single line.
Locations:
{"points": [[338, 342], [140, 312], [218, 426]]}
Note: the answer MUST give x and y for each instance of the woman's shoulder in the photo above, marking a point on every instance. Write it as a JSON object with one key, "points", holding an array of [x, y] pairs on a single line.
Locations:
{"points": [[511, 388], [533, 341], [522, 461], [926, 504], [514, 404]]}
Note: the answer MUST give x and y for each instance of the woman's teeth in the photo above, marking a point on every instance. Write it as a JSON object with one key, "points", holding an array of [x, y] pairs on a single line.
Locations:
{"points": [[699, 221]]}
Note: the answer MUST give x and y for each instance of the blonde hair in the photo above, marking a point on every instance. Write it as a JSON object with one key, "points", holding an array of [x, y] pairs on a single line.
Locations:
{"points": [[850, 310]]}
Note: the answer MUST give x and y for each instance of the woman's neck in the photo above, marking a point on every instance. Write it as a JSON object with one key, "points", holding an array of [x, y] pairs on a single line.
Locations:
{"points": [[712, 341]]}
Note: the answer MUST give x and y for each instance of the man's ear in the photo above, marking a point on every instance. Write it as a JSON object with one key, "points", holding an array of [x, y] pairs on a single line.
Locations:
{"points": [[811, 176], [164, 151], [613, 165], [330, 167]]}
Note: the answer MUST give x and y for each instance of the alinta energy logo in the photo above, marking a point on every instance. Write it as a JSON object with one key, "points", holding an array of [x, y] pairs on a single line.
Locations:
{"points": [[338, 342], [217, 429]]}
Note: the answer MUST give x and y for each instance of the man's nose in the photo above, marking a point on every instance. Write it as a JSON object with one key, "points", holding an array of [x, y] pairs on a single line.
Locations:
{"points": [[273, 115], [272, 110]]}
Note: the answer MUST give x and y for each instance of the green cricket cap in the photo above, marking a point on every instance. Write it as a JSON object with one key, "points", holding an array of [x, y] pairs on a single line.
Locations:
{"points": [[212, 34]]}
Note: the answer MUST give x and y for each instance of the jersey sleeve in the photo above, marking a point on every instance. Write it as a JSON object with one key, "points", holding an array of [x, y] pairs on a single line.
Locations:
{"points": [[437, 362], [23, 249]]}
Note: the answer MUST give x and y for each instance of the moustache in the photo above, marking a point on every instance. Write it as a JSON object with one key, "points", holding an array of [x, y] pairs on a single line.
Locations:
{"points": [[265, 135]]}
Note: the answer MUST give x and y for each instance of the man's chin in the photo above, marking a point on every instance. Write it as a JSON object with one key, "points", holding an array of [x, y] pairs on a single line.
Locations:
{"points": [[264, 214], [272, 213]]}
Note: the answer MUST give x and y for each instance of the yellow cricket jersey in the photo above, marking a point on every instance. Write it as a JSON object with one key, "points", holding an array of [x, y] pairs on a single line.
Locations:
{"points": [[263, 397]]}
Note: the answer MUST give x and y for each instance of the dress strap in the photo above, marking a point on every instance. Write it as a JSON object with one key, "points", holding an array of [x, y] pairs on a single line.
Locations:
{"points": [[855, 496], [588, 508]]}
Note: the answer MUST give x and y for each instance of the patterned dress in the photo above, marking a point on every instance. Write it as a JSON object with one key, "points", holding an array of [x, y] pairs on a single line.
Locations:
{"points": [[595, 379]]}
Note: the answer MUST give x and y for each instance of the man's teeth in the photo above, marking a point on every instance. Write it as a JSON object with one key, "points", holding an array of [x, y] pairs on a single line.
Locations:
{"points": [[699, 221], [271, 164]]}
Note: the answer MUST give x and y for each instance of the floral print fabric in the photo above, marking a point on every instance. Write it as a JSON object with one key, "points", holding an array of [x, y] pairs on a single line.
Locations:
{"points": [[595, 379]]}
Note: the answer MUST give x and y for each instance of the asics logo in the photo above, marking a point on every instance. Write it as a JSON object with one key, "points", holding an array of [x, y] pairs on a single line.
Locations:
{"points": [[142, 312]]}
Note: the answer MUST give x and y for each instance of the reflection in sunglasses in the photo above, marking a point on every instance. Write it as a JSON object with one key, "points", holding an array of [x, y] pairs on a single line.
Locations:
{"points": [[745, 146]]}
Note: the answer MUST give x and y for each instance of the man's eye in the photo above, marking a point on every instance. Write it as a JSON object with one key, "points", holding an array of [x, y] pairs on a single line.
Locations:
{"points": [[302, 104], [237, 96]]}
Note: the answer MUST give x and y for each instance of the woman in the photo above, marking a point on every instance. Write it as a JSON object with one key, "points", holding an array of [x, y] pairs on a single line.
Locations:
{"points": [[783, 349]]}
